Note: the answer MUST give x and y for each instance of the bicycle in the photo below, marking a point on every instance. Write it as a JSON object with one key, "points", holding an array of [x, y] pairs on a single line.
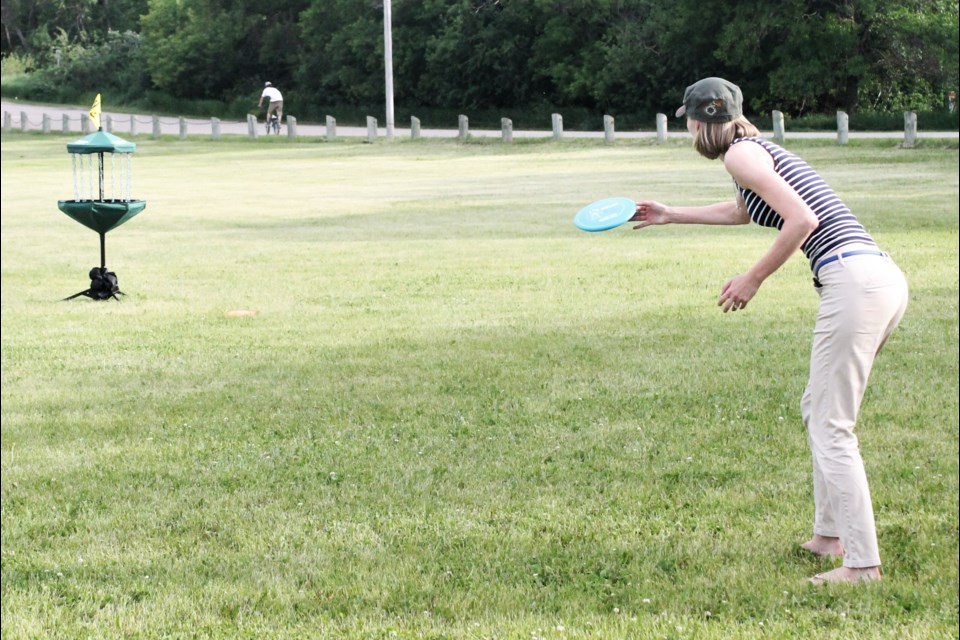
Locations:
{"points": [[273, 124]]}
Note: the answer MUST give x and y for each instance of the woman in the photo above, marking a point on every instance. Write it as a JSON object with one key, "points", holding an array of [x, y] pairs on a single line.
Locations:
{"points": [[862, 293]]}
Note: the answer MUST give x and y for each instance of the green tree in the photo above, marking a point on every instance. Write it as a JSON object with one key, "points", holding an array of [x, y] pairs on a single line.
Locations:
{"points": [[341, 52], [487, 43], [221, 49], [822, 55], [194, 48], [917, 62], [30, 26], [610, 56]]}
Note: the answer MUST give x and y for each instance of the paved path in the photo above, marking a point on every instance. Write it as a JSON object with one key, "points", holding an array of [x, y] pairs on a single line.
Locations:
{"points": [[32, 115]]}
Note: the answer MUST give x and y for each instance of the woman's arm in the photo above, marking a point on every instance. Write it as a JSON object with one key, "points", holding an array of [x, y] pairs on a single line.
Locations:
{"points": [[752, 167], [652, 213]]}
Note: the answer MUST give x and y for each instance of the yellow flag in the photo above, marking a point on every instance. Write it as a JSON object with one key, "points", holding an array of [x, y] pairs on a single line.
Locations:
{"points": [[95, 112]]}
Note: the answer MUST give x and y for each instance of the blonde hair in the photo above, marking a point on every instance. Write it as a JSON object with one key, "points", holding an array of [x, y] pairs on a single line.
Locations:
{"points": [[714, 138]]}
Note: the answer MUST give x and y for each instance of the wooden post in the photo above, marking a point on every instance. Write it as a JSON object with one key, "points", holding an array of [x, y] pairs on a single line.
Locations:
{"points": [[156, 127], [65, 123], [608, 129], [661, 128], [331, 128], [556, 121], [252, 126], [7, 121], [778, 127], [215, 128], [46, 123], [371, 129], [843, 127], [909, 129], [463, 127], [506, 129], [84, 124], [414, 128], [291, 128], [133, 125]]}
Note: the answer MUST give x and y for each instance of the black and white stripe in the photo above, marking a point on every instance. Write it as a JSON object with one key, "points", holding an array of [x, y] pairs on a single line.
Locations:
{"points": [[838, 226]]}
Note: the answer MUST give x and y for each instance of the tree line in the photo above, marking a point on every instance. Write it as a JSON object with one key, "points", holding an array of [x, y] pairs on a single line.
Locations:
{"points": [[599, 56]]}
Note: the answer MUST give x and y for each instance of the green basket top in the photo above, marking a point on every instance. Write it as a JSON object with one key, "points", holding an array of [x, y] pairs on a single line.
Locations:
{"points": [[99, 142]]}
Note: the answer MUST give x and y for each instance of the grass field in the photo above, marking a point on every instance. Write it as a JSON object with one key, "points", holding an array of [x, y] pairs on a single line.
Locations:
{"points": [[448, 414]]}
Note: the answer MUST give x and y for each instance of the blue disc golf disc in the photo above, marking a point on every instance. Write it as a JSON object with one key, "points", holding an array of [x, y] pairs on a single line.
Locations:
{"points": [[605, 214]]}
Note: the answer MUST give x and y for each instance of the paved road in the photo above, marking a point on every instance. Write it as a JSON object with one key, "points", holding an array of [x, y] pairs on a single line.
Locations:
{"points": [[17, 113]]}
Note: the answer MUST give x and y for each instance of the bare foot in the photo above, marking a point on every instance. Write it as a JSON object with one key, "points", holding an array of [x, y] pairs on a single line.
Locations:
{"points": [[824, 546], [847, 575]]}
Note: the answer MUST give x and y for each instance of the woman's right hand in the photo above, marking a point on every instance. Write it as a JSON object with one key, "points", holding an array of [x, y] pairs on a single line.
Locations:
{"points": [[650, 213]]}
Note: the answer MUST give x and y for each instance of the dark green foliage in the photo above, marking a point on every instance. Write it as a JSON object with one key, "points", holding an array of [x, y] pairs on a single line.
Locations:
{"points": [[627, 58], [78, 70]]}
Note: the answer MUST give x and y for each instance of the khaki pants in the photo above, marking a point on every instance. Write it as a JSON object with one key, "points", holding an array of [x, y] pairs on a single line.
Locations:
{"points": [[275, 105], [862, 299]]}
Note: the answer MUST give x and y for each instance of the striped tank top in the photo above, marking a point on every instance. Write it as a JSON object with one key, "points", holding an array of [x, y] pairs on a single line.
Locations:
{"points": [[838, 226]]}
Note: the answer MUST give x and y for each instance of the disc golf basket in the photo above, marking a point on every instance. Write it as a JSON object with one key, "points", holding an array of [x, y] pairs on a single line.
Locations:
{"points": [[92, 208]]}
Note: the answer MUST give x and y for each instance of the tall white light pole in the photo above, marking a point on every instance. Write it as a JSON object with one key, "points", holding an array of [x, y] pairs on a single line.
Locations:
{"points": [[388, 62]]}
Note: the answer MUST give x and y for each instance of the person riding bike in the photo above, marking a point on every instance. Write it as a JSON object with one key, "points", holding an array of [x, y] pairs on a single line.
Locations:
{"points": [[275, 98]]}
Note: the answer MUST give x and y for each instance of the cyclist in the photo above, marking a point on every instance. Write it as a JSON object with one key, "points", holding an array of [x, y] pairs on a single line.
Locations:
{"points": [[275, 98]]}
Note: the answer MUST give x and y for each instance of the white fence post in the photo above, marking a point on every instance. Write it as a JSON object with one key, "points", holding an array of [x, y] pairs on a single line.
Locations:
{"points": [[414, 128], [506, 129], [46, 123], [65, 123], [133, 125], [608, 128], [371, 129], [909, 129], [156, 127], [331, 128], [252, 126], [183, 128], [291, 128], [84, 124], [108, 121], [463, 127], [556, 121], [215, 128], [778, 136], [661, 128], [843, 127]]}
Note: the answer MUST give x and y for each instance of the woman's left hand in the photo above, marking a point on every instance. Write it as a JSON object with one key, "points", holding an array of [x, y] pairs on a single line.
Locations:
{"points": [[737, 292]]}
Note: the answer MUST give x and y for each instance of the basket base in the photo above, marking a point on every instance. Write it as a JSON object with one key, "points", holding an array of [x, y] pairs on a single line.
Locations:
{"points": [[103, 286]]}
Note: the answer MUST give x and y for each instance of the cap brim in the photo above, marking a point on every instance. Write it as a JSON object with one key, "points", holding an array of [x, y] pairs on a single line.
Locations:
{"points": [[682, 111]]}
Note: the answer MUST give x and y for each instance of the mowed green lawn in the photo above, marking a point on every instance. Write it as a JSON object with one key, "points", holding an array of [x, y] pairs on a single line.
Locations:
{"points": [[446, 412]]}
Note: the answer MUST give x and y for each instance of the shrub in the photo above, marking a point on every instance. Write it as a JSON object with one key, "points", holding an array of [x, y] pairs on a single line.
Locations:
{"points": [[75, 71]]}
